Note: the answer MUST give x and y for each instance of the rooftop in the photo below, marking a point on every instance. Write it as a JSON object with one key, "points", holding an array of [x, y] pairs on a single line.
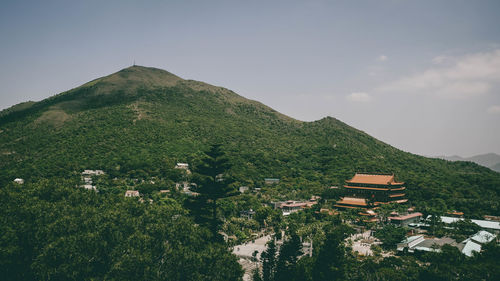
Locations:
{"points": [[373, 179], [353, 201], [409, 216], [470, 247], [483, 237], [482, 223]]}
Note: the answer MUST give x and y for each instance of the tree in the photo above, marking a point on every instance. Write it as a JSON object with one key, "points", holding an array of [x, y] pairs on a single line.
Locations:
{"points": [[330, 262], [289, 253], [390, 235], [213, 183], [268, 259]]}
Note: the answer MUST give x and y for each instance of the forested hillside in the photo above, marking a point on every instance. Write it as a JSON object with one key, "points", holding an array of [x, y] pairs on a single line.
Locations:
{"points": [[138, 122]]}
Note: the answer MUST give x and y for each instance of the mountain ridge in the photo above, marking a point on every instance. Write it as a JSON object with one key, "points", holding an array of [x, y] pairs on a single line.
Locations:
{"points": [[489, 160], [133, 126]]}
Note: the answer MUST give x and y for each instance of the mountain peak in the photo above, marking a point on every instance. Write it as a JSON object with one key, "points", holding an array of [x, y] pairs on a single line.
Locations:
{"points": [[133, 77]]}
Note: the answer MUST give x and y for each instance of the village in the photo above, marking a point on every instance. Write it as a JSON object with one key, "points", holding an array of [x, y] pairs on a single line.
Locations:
{"points": [[369, 203]]}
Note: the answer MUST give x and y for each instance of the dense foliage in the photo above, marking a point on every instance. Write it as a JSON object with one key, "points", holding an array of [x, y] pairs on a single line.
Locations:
{"points": [[333, 260], [136, 124], [141, 134], [49, 231]]}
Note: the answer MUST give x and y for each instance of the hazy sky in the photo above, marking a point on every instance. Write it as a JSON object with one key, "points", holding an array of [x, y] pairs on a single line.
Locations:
{"points": [[423, 76]]}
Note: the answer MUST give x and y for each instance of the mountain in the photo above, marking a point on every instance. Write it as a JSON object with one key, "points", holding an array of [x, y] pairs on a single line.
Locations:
{"points": [[496, 167], [490, 160], [140, 121]]}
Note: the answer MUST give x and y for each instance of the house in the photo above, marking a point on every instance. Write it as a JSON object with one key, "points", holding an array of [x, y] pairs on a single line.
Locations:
{"points": [[491, 226], [466, 247], [491, 218], [406, 219], [183, 166], [19, 181], [327, 212], [89, 187], [93, 172], [456, 214], [290, 206], [475, 242], [164, 191], [132, 193], [419, 243], [248, 214], [243, 189], [270, 181]]}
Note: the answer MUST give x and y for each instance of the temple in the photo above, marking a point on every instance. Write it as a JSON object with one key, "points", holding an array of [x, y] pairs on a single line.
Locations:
{"points": [[369, 191]]}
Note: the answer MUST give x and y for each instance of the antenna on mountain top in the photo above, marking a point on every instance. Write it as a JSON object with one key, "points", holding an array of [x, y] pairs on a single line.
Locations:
{"points": [[134, 63]]}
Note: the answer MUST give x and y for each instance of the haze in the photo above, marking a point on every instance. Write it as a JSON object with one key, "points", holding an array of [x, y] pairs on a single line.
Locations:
{"points": [[423, 76]]}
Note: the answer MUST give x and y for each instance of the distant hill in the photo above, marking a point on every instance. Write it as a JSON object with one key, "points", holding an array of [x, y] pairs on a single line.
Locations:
{"points": [[496, 167], [138, 122], [489, 160]]}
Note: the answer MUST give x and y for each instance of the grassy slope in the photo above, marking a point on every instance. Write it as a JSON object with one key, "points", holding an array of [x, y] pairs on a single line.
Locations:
{"points": [[139, 121]]}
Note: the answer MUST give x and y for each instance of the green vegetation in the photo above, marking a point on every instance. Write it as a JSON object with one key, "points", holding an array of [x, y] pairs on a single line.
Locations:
{"points": [[50, 230], [212, 185], [133, 126], [137, 123]]}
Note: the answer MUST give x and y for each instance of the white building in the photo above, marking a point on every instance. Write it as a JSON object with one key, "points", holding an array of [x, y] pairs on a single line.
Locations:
{"points": [[491, 226], [93, 172], [475, 242], [89, 187], [132, 193], [183, 166], [19, 181]]}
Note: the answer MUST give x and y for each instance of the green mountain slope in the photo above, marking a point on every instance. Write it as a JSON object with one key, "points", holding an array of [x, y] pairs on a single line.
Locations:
{"points": [[139, 121]]}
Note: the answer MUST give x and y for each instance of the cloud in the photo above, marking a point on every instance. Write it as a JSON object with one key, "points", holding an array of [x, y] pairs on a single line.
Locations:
{"points": [[382, 58], [440, 59], [494, 109], [359, 97], [465, 77]]}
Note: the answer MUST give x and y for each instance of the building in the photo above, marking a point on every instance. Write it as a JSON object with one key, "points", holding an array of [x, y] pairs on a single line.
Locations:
{"points": [[132, 193], [406, 219], [456, 214], [466, 247], [270, 181], [419, 243], [243, 189], [475, 242], [93, 172], [371, 190], [183, 166], [89, 187], [19, 181], [351, 202], [291, 206], [491, 226], [248, 214]]}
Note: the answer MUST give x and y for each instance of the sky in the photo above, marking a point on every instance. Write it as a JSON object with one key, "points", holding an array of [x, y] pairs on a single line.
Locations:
{"points": [[423, 76]]}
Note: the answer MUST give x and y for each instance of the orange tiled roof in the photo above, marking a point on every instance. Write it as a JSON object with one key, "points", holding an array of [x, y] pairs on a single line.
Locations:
{"points": [[373, 179], [406, 217], [397, 195], [353, 201], [368, 188]]}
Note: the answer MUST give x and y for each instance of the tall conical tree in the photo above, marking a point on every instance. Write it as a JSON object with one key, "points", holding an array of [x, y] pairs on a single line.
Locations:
{"points": [[213, 183]]}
